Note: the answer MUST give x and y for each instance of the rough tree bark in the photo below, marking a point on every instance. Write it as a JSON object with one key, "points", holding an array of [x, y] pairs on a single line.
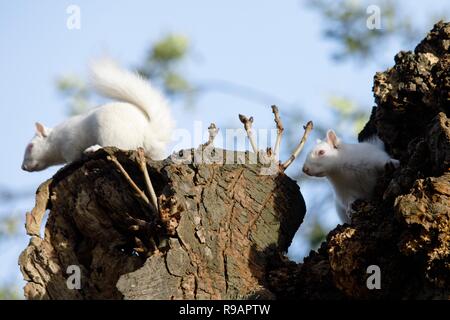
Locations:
{"points": [[218, 227], [222, 229], [405, 230]]}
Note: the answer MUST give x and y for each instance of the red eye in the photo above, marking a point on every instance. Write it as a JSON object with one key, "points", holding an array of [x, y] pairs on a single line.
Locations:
{"points": [[321, 152]]}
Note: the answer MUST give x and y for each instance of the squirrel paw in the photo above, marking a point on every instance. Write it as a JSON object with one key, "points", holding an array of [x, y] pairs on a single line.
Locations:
{"points": [[394, 163], [92, 149]]}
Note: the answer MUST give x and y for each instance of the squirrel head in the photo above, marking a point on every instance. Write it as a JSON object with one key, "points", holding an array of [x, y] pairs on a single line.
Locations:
{"points": [[37, 150], [322, 159]]}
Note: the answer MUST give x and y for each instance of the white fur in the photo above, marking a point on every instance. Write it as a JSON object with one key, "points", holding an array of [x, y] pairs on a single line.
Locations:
{"points": [[142, 118], [352, 169]]}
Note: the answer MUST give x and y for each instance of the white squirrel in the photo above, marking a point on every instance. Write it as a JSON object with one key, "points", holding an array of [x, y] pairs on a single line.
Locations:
{"points": [[352, 169], [140, 117]]}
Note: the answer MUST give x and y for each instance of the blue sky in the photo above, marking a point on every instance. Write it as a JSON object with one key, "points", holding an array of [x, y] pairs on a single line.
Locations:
{"points": [[274, 46]]}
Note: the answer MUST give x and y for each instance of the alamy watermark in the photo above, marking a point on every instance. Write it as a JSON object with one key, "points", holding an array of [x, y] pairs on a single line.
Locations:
{"points": [[73, 21], [374, 19], [227, 138], [73, 282], [374, 280]]}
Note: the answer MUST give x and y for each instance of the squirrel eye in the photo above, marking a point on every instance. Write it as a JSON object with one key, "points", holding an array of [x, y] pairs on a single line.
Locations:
{"points": [[29, 147], [321, 152]]}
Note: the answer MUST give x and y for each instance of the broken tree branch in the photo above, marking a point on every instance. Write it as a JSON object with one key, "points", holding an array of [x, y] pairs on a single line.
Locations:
{"points": [[280, 129], [148, 182], [130, 181], [213, 131], [298, 149], [248, 128]]}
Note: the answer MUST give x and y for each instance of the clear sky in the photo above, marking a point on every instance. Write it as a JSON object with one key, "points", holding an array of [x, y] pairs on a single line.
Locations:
{"points": [[274, 46]]}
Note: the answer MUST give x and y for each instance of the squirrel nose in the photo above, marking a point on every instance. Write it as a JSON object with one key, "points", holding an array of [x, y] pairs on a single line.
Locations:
{"points": [[305, 170]]}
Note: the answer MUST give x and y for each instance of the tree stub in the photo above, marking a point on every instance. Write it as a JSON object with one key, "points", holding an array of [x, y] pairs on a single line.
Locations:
{"points": [[218, 227]]}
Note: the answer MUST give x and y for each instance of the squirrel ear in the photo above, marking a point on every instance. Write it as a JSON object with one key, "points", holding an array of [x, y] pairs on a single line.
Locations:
{"points": [[41, 130], [332, 139]]}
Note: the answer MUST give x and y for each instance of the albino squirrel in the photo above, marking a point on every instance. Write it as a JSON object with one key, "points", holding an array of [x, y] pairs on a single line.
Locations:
{"points": [[352, 169], [140, 117]]}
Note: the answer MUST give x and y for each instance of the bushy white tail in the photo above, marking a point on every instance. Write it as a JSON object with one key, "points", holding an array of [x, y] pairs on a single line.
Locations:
{"points": [[113, 82], [376, 141]]}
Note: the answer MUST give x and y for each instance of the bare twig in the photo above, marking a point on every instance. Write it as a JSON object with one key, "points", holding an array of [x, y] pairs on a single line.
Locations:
{"points": [[154, 246], [138, 191], [213, 131], [248, 127], [142, 226], [280, 129], [298, 149], [140, 247], [148, 182]]}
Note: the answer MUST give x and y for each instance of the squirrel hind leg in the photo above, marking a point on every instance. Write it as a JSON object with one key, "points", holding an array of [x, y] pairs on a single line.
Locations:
{"points": [[92, 149]]}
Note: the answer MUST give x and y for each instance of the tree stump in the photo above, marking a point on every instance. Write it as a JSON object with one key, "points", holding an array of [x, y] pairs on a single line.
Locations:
{"points": [[218, 226]]}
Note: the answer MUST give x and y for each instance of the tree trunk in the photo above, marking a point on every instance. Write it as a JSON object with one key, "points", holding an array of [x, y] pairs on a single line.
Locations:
{"points": [[218, 226], [405, 229], [221, 230]]}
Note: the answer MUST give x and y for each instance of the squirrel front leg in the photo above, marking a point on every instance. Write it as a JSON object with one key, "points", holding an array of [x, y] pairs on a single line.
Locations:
{"points": [[92, 149], [342, 212]]}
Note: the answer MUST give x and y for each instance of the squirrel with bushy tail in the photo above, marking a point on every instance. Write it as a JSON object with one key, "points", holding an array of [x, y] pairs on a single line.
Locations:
{"points": [[138, 118]]}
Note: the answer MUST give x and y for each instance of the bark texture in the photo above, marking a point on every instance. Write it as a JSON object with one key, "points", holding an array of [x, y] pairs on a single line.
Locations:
{"points": [[405, 230], [222, 229]]}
